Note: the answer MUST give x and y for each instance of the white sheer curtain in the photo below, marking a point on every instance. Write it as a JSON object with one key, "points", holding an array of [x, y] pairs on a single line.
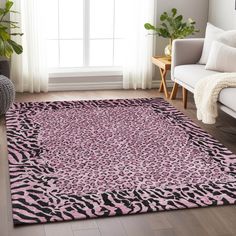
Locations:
{"points": [[29, 70], [137, 71]]}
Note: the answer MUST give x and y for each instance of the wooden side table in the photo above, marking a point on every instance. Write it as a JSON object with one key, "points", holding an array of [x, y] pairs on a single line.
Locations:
{"points": [[164, 64]]}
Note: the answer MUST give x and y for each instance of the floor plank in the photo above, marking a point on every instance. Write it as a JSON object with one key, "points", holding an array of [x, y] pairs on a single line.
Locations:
{"points": [[217, 221], [136, 225], [158, 221], [184, 223], [111, 226], [58, 229], [164, 232], [212, 223], [35, 230], [227, 215], [88, 232], [83, 224]]}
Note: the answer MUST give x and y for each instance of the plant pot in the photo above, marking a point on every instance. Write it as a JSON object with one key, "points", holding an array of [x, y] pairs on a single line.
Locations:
{"points": [[5, 68], [7, 90], [7, 94]]}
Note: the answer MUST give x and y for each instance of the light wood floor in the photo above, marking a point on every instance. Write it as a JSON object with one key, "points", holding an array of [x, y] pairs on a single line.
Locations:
{"points": [[217, 221]]}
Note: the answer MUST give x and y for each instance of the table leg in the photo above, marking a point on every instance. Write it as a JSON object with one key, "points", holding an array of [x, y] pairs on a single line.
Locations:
{"points": [[163, 82], [174, 91], [161, 90]]}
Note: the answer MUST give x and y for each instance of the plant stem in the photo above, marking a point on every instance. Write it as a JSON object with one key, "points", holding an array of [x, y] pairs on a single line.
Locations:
{"points": [[2, 17]]}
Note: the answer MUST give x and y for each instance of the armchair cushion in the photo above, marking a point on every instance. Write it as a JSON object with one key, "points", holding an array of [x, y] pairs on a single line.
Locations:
{"points": [[190, 74], [186, 51]]}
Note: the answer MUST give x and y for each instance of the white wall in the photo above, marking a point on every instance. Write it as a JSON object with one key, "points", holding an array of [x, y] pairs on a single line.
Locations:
{"points": [[222, 13], [2, 2]]}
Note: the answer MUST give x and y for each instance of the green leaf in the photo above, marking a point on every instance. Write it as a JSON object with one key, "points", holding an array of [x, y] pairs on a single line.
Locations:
{"points": [[4, 35], [179, 18], [164, 16], [164, 33], [174, 12], [8, 46], [178, 25], [164, 25], [4, 28], [9, 5], [148, 26], [7, 50], [2, 11], [2, 48], [18, 49]]}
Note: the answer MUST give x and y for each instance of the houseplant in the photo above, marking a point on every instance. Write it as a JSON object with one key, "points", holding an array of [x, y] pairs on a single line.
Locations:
{"points": [[172, 26], [7, 45]]}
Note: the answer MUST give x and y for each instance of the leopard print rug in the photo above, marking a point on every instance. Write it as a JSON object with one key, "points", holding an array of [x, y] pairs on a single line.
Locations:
{"points": [[85, 159]]}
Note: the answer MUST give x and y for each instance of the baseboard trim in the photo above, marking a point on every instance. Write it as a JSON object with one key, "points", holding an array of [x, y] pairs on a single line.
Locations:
{"points": [[156, 83], [85, 86], [96, 85]]}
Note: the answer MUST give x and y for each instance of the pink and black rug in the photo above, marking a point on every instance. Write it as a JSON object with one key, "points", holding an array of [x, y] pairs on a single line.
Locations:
{"points": [[86, 159]]}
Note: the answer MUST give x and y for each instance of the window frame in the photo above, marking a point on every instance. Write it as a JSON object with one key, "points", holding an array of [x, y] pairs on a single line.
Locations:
{"points": [[86, 69]]}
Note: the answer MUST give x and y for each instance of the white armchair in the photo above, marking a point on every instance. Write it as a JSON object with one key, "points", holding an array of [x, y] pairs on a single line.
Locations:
{"points": [[186, 71]]}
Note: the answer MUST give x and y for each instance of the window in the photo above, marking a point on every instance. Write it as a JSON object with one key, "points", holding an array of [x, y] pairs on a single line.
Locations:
{"points": [[85, 33]]}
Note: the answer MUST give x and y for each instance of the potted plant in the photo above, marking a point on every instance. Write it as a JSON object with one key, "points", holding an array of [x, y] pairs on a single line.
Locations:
{"points": [[173, 27], [7, 45], [7, 48]]}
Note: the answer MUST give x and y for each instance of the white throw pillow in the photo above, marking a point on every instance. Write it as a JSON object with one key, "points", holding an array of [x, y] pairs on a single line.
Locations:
{"points": [[212, 33], [228, 38], [221, 58]]}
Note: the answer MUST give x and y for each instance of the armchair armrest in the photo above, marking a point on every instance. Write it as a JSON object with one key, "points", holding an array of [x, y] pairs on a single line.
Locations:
{"points": [[186, 51]]}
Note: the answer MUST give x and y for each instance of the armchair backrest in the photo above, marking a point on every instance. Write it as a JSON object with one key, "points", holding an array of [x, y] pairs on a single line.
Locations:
{"points": [[186, 51]]}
